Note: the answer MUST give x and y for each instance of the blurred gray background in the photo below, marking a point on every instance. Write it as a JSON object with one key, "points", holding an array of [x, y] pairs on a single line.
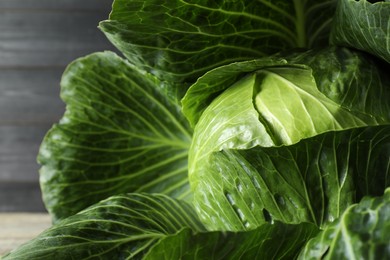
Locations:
{"points": [[38, 38]]}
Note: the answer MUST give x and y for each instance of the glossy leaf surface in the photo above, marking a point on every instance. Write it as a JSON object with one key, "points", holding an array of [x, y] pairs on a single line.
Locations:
{"points": [[348, 78], [119, 134], [277, 125], [313, 181], [121, 227], [363, 25], [180, 40], [277, 241], [362, 232]]}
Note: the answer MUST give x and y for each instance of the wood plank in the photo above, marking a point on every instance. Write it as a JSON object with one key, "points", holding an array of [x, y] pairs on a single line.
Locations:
{"points": [[20, 197], [38, 38], [30, 96], [47, 39], [19, 147], [16, 229], [85, 5]]}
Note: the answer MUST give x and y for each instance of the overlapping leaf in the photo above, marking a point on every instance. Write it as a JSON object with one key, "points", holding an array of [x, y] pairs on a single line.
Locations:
{"points": [[280, 106], [277, 241], [362, 232], [313, 181], [120, 133], [363, 25], [180, 40], [348, 78], [120, 227], [145, 226]]}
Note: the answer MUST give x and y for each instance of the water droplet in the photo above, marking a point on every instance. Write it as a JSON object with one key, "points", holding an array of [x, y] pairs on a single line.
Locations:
{"points": [[279, 200], [247, 224], [230, 198], [256, 183], [239, 186], [267, 216], [239, 213]]}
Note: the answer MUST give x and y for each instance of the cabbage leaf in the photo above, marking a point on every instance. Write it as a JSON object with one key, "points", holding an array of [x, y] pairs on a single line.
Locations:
{"points": [[120, 227], [145, 226], [120, 133], [276, 145], [180, 40], [312, 181], [362, 232], [363, 25]]}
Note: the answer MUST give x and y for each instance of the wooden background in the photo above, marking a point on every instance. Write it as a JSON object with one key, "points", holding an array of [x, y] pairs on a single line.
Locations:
{"points": [[38, 38]]}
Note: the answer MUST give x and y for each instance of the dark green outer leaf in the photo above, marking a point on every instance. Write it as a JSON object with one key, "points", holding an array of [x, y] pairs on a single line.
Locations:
{"points": [[314, 180], [277, 241], [180, 40], [121, 227], [119, 134], [362, 232], [364, 26]]}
